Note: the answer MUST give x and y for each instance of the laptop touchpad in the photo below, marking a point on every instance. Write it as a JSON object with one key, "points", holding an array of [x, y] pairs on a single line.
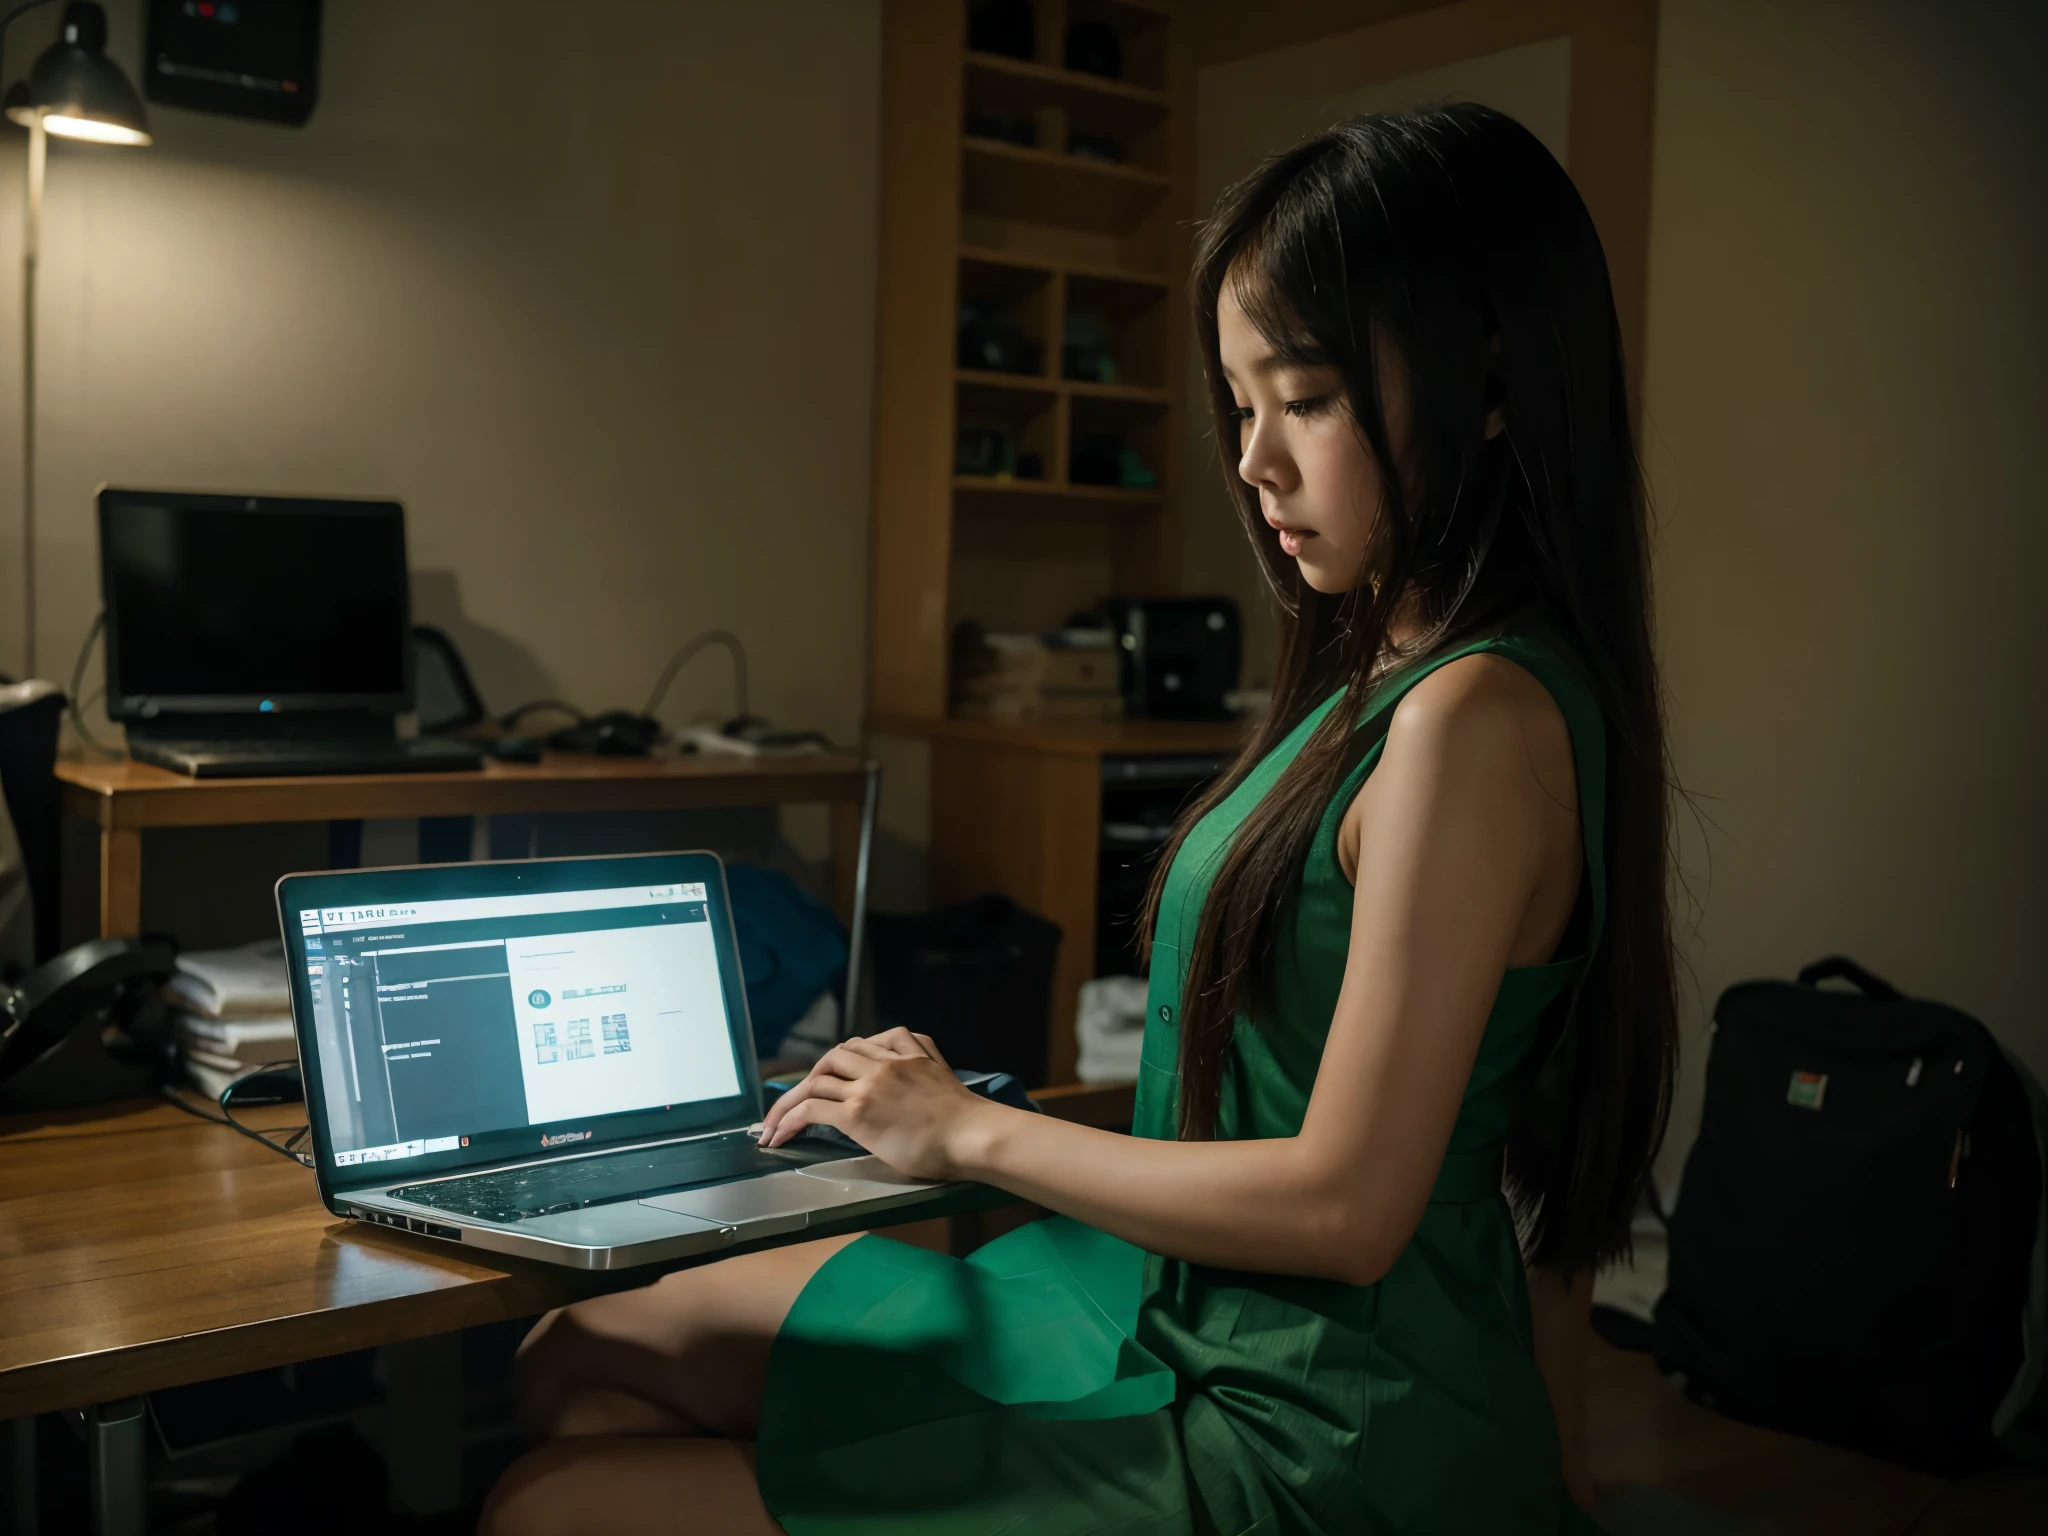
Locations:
{"points": [[761, 1199]]}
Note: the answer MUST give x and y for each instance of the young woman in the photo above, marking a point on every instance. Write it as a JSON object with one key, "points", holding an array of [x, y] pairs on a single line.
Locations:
{"points": [[1411, 952]]}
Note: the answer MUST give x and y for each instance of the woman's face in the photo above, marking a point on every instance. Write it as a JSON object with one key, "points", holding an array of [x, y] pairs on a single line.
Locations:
{"points": [[1300, 449]]}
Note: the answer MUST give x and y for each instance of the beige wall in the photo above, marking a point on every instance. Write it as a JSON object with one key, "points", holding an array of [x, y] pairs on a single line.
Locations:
{"points": [[1845, 391], [590, 288]]}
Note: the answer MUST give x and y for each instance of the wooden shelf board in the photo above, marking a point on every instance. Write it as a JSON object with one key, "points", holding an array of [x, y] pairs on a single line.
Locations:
{"points": [[1064, 191], [991, 255], [1047, 86], [1134, 394], [1075, 738], [1039, 384], [1051, 498], [1023, 383], [1107, 1105], [1087, 165]]}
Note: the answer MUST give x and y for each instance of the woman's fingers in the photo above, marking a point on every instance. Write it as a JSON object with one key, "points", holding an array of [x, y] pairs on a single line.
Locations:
{"points": [[819, 1110], [871, 1047], [931, 1050], [902, 1042]]}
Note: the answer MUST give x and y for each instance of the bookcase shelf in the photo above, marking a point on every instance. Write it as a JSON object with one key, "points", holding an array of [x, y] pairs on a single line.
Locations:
{"points": [[1030, 323]]}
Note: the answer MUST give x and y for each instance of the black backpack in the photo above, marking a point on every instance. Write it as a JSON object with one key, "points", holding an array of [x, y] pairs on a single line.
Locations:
{"points": [[1854, 1250]]}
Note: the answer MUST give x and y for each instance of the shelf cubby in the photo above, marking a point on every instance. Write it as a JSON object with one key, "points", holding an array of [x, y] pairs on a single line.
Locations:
{"points": [[1023, 297], [1038, 186]]}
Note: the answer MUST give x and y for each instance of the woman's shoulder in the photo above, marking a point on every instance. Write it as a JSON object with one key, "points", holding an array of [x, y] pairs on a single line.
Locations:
{"points": [[1487, 703]]}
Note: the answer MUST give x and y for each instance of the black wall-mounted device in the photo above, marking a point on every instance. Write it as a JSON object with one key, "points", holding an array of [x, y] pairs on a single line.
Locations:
{"points": [[245, 58]]}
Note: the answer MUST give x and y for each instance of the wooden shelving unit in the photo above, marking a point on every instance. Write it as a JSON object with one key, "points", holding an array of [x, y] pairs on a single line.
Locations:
{"points": [[1038, 233]]}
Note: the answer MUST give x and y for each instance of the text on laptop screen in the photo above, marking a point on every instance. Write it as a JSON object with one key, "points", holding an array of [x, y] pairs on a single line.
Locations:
{"points": [[437, 1021]]}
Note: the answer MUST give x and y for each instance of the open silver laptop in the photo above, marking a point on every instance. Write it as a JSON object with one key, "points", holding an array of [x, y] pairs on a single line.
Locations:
{"points": [[549, 1057]]}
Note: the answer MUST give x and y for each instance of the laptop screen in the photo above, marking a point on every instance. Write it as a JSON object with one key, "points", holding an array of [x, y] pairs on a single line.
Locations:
{"points": [[454, 1016]]}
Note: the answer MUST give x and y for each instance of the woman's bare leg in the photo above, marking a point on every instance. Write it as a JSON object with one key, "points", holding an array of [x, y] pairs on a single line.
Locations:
{"points": [[687, 1355], [630, 1487]]}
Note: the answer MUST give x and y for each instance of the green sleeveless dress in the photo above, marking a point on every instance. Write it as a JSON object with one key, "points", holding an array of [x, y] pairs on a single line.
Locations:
{"points": [[1062, 1381]]}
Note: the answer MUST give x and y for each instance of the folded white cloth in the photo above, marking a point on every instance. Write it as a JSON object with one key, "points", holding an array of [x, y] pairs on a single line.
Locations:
{"points": [[247, 982], [252, 1040], [1110, 1026]]}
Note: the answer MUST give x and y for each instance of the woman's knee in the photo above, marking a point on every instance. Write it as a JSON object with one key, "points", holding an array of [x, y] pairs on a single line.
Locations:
{"points": [[673, 1487], [695, 1344]]}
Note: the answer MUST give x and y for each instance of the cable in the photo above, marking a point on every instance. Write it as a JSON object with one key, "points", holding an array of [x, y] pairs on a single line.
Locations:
{"points": [[77, 710], [681, 659], [289, 1147]]}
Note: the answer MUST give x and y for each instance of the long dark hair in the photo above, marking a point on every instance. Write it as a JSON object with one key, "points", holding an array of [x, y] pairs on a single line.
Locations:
{"points": [[1450, 245]]}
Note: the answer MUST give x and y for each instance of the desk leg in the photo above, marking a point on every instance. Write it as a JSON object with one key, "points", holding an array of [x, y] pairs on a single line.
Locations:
{"points": [[423, 1422], [117, 1447], [120, 882], [20, 1513]]}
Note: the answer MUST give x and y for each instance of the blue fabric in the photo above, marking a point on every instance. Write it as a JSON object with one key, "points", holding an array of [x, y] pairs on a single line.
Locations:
{"points": [[791, 948]]}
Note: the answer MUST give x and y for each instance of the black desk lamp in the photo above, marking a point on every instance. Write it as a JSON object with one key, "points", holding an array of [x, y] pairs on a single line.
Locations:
{"points": [[76, 92]]}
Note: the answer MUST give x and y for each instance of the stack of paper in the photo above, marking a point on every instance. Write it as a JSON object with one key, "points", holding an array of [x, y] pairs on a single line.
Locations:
{"points": [[1006, 677], [233, 1012]]}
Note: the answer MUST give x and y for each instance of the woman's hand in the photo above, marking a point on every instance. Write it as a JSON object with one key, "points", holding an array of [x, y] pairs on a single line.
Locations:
{"points": [[894, 1094]]}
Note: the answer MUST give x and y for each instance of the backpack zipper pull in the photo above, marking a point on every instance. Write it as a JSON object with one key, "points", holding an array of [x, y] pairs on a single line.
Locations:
{"points": [[1955, 1159]]}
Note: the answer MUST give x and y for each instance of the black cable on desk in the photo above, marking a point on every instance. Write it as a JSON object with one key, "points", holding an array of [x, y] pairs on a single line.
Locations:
{"points": [[289, 1147]]}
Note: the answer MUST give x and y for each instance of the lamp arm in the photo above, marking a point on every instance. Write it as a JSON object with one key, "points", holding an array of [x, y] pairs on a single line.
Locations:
{"points": [[30, 238]]}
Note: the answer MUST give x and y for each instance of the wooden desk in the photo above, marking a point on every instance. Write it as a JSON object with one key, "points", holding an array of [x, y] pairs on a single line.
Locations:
{"points": [[141, 1249], [124, 798]]}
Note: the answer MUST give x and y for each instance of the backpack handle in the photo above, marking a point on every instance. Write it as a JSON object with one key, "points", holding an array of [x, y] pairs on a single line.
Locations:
{"points": [[1841, 968]]}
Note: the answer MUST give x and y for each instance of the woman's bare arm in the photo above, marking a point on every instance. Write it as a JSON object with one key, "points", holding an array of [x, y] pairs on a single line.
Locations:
{"points": [[1459, 832]]}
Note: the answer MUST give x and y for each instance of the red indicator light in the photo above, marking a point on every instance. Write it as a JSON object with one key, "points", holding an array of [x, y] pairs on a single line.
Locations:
{"points": [[206, 7]]}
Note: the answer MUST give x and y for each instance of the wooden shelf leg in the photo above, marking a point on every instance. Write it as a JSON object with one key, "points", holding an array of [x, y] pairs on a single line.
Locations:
{"points": [[120, 882]]}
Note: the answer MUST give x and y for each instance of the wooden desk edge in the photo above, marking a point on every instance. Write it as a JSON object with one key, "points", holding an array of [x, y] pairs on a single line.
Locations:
{"points": [[1078, 738], [125, 795], [78, 1380], [1107, 1105]]}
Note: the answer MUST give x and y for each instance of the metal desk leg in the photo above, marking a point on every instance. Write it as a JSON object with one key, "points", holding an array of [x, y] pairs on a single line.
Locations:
{"points": [[18, 1508], [423, 1422], [117, 1450], [853, 852]]}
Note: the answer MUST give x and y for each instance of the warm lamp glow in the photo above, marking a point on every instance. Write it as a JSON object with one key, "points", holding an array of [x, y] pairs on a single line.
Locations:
{"points": [[67, 127]]}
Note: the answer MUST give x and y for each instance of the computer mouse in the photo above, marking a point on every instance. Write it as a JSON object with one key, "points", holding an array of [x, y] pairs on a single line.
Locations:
{"points": [[615, 733], [515, 749]]}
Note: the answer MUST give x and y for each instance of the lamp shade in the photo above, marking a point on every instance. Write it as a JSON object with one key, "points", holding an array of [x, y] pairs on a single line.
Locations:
{"points": [[76, 89]]}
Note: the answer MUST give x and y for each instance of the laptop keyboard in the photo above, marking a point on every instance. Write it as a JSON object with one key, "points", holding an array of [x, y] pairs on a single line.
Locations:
{"points": [[514, 1194]]}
